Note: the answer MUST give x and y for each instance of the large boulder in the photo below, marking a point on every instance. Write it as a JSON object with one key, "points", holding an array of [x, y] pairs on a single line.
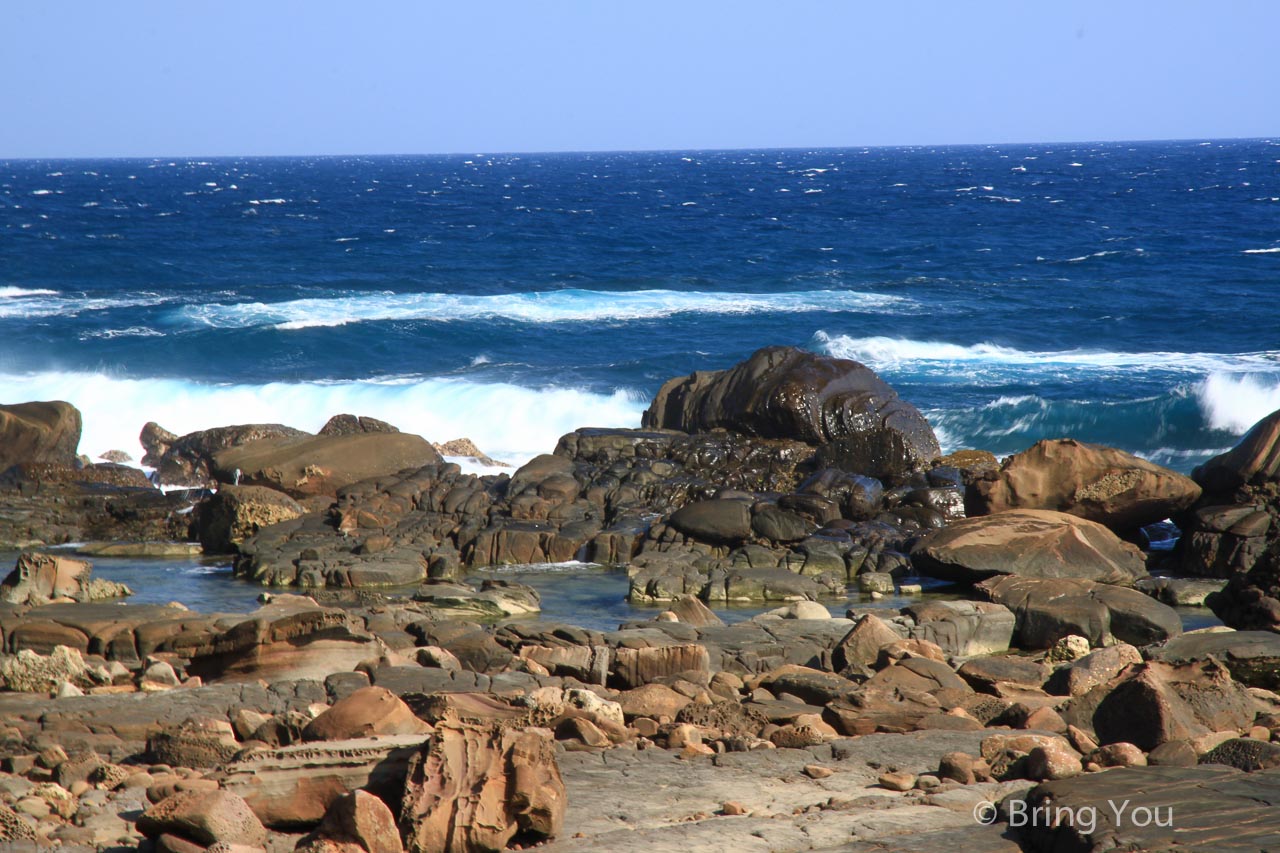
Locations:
{"points": [[782, 392], [366, 712], [203, 819], [187, 460], [235, 513], [39, 432], [1102, 484], [322, 464], [1254, 460], [475, 787], [1046, 610], [1028, 543], [1253, 657]]}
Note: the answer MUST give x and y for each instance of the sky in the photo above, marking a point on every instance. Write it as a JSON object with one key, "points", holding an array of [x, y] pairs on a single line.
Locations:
{"points": [[277, 77]]}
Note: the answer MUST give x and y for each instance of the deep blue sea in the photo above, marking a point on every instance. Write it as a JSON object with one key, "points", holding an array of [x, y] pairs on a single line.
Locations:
{"points": [[1125, 293]]}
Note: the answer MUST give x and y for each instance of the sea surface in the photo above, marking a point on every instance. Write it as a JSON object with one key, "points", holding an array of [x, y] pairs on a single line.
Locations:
{"points": [[1123, 293]]}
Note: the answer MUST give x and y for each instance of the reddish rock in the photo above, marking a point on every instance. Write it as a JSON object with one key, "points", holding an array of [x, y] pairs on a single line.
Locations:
{"points": [[205, 817], [368, 711]]}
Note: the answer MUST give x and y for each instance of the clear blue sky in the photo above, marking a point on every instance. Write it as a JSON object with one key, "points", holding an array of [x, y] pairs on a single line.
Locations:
{"points": [[266, 77]]}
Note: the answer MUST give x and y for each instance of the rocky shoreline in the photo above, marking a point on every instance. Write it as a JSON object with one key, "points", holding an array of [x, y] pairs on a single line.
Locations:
{"points": [[345, 715]]}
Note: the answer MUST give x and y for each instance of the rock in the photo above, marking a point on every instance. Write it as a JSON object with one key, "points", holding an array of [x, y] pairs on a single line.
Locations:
{"points": [[1245, 754], [1254, 460], [117, 456], [1179, 592], [235, 513], [39, 432], [290, 637], [897, 781], [635, 667], [467, 448], [188, 460], [782, 392], [655, 701], [195, 743], [1048, 610], [367, 712], [859, 649], [1252, 657], [1068, 648], [715, 521], [28, 672], [13, 828], [1152, 703], [204, 817], [1101, 484], [747, 585], [39, 578], [690, 610], [1028, 543], [476, 788], [357, 820], [1053, 761], [355, 425], [324, 464], [963, 628], [292, 787], [1097, 667], [1151, 808]]}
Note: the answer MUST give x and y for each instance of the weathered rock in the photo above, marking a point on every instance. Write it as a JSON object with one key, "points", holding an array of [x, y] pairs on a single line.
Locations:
{"points": [[1150, 704], [203, 743], [1254, 460], [321, 465], [357, 822], [859, 649], [1097, 667], [39, 432], [235, 513], [963, 628], [633, 667], [292, 787], [781, 392], [39, 578], [1048, 610], [714, 521], [188, 460], [366, 712], [290, 637], [204, 817], [1028, 543], [1252, 657], [354, 425], [1102, 484], [475, 788]]}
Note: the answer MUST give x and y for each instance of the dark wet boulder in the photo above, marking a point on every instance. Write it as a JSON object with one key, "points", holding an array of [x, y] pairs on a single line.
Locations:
{"points": [[1099, 483], [716, 521], [46, 432], [841, 406], [1028, 543], [1048, 609]]}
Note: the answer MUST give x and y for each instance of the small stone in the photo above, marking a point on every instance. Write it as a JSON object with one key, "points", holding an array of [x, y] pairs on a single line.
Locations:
{"points": [[927, 781], [1069, 648], [695, 750], [1260, 733], [733, 809], [897, 781], [683, 735], [817, 771]]}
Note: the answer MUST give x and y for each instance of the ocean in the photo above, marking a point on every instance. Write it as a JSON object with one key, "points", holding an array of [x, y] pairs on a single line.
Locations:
{"points": [[1122, 293]]}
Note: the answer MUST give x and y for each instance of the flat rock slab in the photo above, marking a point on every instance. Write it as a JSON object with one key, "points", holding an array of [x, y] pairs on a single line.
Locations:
{"points": [[1253, 657], [1206, 809], [650, 800]]}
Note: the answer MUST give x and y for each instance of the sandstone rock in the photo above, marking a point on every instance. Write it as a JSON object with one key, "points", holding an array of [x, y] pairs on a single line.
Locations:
{"points": [[635, 667], [321, 465], [29, 672], [859, 649], [188, 460], [204, 817], [1097, 667], [781, 392], [1253, 657], [652, 700], [963, 628], [40, 578], [1150, 704], [39, 432], [366, 712], [1049, 609], [476, 788], [357, 822], [1053, 761], [690, 610], [292, 787], [1102, 484], [1028, 543], [1254, 460], [235, 513], [354, 425], [194, 743], [1068, 648], [1244, 754]]}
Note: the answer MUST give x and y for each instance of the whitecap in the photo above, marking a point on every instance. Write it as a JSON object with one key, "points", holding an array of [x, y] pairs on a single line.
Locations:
{"points": [[538, 307], [20, 292], [1270, 251], [1235, 402]]}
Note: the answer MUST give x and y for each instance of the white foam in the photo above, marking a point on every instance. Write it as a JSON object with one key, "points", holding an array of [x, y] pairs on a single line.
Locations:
{"points": [[508, 422], [49, 303], [1270, 251], [1236, 402], [539, 307], [881, 352], [19, 292]]}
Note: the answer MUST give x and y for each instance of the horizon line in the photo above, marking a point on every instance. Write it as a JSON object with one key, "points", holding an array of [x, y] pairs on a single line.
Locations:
{"points": [[579, 151]]}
